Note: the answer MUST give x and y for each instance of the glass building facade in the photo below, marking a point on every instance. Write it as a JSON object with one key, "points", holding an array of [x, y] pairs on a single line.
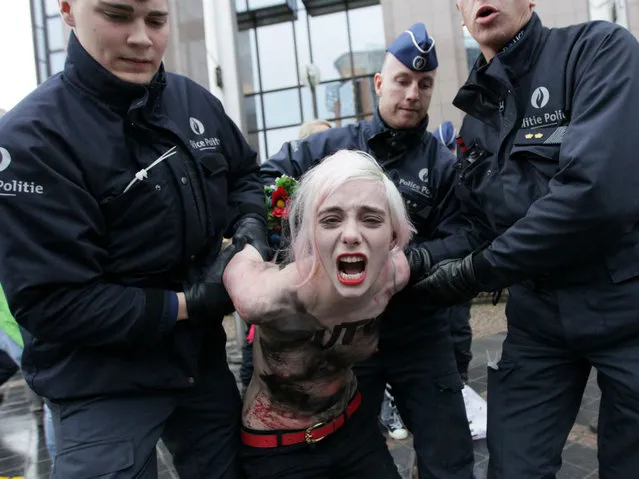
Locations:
{"points": [[187, 53], [49, 38], [301, 60]]}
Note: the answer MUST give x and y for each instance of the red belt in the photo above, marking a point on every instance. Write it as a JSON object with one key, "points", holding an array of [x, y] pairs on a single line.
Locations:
{"points": [[310, 435]]}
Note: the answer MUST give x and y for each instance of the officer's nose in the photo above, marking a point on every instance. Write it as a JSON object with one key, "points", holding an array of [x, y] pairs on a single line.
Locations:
{"points": [[139, 35], [351, 234], [412, 92]]}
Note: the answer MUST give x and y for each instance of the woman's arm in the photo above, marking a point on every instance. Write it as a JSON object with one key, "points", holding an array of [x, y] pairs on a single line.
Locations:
{"points": [[261, 291]]}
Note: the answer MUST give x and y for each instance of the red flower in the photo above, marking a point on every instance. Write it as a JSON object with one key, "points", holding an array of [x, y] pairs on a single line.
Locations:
{"points": [[278, 198], [278, 201]]}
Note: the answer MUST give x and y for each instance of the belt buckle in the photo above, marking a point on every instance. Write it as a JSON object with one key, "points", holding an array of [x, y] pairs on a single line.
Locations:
{"points": [[307, 434]]}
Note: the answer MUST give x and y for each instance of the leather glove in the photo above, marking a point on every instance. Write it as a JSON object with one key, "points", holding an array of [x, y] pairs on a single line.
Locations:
{"points": [[453, 281], [206, 297], [419, 263], [252, 230]]}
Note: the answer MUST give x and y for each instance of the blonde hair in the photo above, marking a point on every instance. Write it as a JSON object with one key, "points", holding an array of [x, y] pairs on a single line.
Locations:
{"points": [[322, 181], [313, 126]]}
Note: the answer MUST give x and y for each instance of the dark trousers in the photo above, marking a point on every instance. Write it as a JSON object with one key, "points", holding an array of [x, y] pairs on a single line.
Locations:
{"points": [[246, 369], [462, 336], [7, 367], [534, 393], [427, 390], [115, 437], [356, 451]]}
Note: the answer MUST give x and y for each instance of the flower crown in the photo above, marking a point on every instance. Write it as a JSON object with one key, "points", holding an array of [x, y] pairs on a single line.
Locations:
{"points": [[278, 201]]}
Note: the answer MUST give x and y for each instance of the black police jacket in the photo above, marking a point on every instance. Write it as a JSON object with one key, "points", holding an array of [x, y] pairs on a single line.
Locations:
{"points": [[421, 168], [548, 166], [96, 232]]}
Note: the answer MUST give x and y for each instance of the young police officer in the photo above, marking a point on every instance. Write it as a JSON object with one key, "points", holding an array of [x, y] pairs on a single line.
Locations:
{"points": [[415, 351], [118, 182], [549, 163]]}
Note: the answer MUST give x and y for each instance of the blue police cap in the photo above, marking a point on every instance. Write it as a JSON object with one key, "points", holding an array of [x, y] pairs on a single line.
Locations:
{"points": [[445, 133], [415, 49]]}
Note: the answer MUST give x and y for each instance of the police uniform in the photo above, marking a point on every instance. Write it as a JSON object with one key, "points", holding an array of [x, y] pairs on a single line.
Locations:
{"points": [[111, 193], [415, 351], [460, 329], [548, 166]]}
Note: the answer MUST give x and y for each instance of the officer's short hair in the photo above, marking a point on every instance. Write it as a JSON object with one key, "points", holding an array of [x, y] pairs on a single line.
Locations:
{"points": [[310, 127], [324, 179]]}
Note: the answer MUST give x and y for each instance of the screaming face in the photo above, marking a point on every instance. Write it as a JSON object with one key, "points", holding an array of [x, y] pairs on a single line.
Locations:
{"points": [[354, 236]]}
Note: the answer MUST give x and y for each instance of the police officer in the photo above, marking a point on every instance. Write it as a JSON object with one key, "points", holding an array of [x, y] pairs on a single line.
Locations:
{"points": [[415, 351], [549, 165], [118, 181]]}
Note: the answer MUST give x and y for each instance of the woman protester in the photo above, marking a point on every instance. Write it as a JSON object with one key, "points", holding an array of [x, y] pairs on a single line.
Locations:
{"points": [[318, 316]]}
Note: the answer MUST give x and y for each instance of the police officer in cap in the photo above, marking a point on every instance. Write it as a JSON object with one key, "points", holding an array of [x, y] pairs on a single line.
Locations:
{"points": [[549, 169], [415, 350]]}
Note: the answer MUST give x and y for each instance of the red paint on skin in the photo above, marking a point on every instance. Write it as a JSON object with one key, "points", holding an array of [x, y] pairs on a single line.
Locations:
{"points": [[262, 411]]}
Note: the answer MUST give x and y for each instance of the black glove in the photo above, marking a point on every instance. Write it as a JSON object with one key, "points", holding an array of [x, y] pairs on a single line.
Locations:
{"points": [[419, 263], [206, 297], [252, 230], [452, 281]]}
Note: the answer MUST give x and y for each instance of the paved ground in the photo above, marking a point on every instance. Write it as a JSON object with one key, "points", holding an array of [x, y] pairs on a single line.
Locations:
{"points": [[23, 455]]}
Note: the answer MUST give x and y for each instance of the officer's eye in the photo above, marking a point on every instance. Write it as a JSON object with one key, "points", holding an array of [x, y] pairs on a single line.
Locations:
{"points": [[156, 22], [115, 17]]}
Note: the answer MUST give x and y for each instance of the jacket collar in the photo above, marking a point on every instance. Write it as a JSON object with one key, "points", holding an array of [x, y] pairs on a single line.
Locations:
{"points": [[390, 144], [520, 55], [378, 127], [487, 81], [86, 73]]}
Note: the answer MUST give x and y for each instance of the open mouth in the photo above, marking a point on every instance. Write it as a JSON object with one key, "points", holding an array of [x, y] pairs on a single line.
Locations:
{"points": [[351, 269], [486, 13], [137, 63], [136, 60]]}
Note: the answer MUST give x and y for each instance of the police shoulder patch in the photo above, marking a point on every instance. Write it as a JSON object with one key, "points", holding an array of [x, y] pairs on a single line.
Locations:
{"points": [[541, 136]]}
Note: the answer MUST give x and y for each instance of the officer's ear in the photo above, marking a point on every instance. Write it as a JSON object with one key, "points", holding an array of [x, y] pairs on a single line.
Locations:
{"points": [[378, 83], [66, 10]]}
